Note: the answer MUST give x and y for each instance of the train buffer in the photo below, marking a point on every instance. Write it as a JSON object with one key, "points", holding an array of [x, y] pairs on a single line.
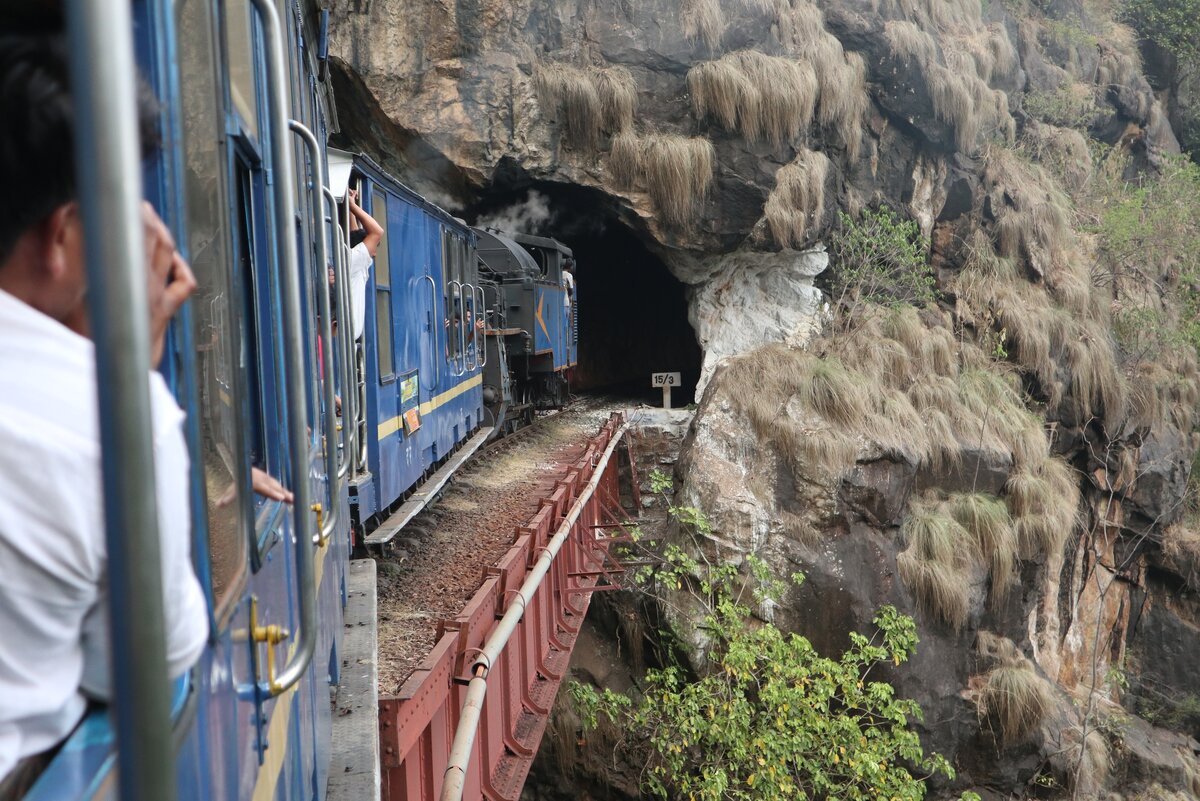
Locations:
{"points": [[469, 719]]}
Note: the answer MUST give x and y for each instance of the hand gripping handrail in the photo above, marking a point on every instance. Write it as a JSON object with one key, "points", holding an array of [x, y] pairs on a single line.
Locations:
{"points": [[437, 367], [481, 314], [295, 403], [455, 776], [320, 275], [339, 267]]}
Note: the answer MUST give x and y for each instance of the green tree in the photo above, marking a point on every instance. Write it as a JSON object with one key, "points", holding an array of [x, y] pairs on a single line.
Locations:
{"points": [[768, 717]]}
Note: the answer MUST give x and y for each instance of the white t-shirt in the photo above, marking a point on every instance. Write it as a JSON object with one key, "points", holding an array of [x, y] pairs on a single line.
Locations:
{"points": [[569, 285], [360, 270], [53, 573]]}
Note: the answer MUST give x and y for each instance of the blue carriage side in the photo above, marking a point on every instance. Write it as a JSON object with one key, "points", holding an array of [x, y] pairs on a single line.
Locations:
{"points": [[423, 341]]}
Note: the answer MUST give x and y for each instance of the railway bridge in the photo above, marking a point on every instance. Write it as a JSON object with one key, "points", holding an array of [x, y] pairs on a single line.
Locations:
{"points": [[460, 631]]}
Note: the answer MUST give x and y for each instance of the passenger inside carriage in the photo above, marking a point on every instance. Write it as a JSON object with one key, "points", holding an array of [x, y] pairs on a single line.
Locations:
{"points": [[53, 606], [365, 236], [54, 647]]}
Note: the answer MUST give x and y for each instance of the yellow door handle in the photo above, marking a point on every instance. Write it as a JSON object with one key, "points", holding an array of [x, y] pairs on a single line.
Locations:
{"points": [[321, 538], [271, 635]]}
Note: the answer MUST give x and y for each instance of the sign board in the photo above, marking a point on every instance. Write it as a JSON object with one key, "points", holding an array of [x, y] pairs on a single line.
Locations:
{"points": [[664, 380]]}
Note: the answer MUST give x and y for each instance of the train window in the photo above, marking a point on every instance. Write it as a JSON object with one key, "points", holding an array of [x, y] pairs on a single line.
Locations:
{"points": [[215, 315], [383, 292], [251, 343], [449, 276], [239, 38]]}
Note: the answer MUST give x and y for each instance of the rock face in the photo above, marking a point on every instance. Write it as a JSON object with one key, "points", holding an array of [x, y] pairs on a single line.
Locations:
{"points": [[726, 136]]}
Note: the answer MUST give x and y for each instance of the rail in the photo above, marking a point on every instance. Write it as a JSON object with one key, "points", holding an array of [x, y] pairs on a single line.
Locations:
{"points": [[514, 637]]}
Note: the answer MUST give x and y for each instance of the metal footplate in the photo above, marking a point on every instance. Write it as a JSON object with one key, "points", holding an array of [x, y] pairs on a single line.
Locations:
{"points": [[354, 768], [383, 535]]}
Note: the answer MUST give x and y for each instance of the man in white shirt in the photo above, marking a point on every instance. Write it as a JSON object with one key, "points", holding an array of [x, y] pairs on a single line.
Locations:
{"points": [[365, 236], [54, 644]]}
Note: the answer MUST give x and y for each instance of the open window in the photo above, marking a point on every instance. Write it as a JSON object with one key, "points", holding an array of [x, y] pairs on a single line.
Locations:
{"points": [[216, 311], [383, 293]]}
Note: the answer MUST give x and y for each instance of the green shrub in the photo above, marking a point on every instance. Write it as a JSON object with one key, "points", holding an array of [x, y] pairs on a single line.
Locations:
{"points": [[768, 717], [1071, 105], [880, 259]]}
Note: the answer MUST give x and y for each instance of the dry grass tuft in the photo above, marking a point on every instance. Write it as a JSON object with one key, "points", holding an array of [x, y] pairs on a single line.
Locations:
{"points": [[1043, 500], [625, 158], [618, 97], [941, 591], [933, 535], [987, 520], [703, 20], [809, 408], [765, 97], [676, 171], [1064, 150], [570, 93], [798, 199], [588, 101], [844, 99], [909, 42], [1016, 699]]}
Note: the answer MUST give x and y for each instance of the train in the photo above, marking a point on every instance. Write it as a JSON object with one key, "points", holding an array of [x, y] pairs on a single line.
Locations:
{"points": [[469, 332]]}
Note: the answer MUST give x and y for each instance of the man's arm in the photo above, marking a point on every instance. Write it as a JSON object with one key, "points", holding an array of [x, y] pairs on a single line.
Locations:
{"points": [[374, 230]]}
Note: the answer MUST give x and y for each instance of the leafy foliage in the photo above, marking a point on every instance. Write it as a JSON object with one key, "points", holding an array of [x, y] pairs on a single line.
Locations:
{"points": [[1173, 25], [769, 718], [1149, 235], [880, 259]]}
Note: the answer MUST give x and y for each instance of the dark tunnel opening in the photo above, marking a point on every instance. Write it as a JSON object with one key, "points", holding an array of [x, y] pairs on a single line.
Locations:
{"points": [[633, 314]]}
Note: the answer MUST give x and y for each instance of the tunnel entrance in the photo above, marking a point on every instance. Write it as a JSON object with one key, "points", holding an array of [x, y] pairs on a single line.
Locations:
{"points": [[632, 312]]}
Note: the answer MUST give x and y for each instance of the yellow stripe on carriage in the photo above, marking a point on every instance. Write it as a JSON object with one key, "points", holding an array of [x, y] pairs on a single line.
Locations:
{"points": [[278, 734], [390, 427]]}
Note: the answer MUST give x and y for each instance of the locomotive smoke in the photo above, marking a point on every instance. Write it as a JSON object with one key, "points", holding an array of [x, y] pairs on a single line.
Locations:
{"points": [[529, 216]]}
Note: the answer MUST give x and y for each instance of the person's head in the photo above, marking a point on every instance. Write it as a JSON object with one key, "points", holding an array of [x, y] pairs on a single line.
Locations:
{"points": [[41, 231], [357, 236]]}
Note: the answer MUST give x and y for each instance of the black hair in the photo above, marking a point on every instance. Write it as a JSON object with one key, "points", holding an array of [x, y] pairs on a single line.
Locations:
{"points": [[37, 131], [357, 236]]}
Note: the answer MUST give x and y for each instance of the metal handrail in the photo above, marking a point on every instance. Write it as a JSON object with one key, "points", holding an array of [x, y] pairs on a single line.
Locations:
{"points": [[437, 367], [480, 339], [103, 79], [460, 360], [295, 401], [348, 431], [474, 362], [332, 473], [454, 779]]}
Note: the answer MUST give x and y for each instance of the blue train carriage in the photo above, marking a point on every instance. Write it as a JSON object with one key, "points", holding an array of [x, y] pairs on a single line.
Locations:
{"points": [[532, 325], [252, 721], [421, 357]]}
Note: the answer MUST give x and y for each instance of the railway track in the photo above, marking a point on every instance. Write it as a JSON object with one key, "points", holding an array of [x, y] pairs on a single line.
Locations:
{"points": [[442, 556]]}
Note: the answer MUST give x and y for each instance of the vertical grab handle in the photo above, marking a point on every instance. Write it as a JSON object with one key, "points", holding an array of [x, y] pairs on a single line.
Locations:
{"points": [[480, 341], [437, 369], [349, 431], [474, 361], [460, 358], [295, 403], [332, 469]]}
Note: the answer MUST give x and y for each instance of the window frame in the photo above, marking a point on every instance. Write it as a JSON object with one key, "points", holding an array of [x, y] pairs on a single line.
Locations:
{"points": [[383, 290]]}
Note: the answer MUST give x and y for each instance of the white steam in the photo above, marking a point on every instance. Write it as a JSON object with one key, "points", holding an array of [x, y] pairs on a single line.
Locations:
{"points": [[526, 217]]}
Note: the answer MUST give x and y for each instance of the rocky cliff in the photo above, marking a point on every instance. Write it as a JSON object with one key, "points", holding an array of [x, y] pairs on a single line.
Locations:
{"points": [[1010, 463]]}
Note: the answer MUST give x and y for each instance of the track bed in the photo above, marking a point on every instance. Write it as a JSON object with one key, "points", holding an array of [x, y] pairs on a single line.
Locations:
{"points": [[440, 558]]}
